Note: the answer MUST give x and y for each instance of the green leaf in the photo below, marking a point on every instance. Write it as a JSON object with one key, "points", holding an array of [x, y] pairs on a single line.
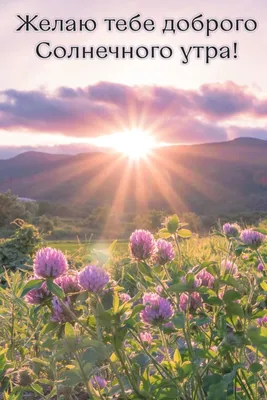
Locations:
{"points": [[179, 321], [96, 352], [145, 269], [69, 330], [230, 296], [177, 357], [137, 309], [2, 361], [71, 378], [229, 281], [178, 288], [187, 368], [116, 302], [258, 336], [37, 388], [173, 224], [234, 309], [255, 368], [210, 380], [33, 284], [264, 286], [49, 327], [239, 250], [184, 233], [164, 233], [55, 289], [213, 301], [40, 362]]}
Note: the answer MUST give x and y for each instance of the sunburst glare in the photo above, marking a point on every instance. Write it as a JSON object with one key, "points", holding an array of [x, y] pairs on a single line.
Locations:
{"points": [[134, 143]]}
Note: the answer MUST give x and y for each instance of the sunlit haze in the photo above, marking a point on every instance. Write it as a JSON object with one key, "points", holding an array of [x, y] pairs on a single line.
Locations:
{"points": [[133, 143]]}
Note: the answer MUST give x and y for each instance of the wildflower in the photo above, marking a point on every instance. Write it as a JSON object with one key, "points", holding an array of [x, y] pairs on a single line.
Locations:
{"points": [[159, 356], [68, 283], [262, 321], [191, 302], [260, 267], [165, 252], [124, 297], [60, 312], [196, 282], [98, 382], [142, 245], [252, 239], [93, 278], [229, 266], [206, 278], [50, 263], [37, 296], [231, 230], [146, 337], [157, 309]]}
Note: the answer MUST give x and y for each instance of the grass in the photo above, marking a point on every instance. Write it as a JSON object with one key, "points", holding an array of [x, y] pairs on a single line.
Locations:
{"points": [[72, 247]]}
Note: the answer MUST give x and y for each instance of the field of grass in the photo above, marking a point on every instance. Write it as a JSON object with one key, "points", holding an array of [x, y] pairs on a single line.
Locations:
{"points": [[74, 247]]}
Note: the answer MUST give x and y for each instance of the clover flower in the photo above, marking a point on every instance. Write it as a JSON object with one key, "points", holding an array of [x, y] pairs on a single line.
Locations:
{"points": [[196, 283], [157, 310], [229, 266], [142, 245], [262, 321], [124, 297], [60, 313], [146, 337], [191, 302], [252, 239], [68, 283], [93, 278], [231, 230], [50, 263], [260, 267], [206, 278], [98, 382], [37, 296], [164, 253]]}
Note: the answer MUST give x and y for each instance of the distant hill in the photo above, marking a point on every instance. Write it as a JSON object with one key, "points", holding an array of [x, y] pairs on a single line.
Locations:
{"points": [[206, 178]]}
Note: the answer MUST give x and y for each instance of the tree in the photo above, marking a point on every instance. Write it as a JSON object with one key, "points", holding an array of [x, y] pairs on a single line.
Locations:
{"points": [[45, 224], [10, 208]]}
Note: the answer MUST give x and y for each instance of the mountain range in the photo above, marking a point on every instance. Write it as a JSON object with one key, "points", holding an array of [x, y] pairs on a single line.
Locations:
{"points": [[216, 177]]}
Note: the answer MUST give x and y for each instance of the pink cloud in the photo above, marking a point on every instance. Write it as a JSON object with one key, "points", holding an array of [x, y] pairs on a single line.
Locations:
{"points": [[172, 114]]}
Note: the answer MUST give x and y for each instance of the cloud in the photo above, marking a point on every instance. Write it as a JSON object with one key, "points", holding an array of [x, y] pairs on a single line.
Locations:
{"points": [[171, 113], [224, 101]]}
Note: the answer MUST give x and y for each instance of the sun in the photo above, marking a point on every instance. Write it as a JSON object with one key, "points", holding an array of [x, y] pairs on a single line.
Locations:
{"points": [[134, 143]]}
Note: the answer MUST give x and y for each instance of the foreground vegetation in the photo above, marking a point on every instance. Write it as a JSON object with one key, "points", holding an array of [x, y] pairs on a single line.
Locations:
{"points": [[172, 317]]}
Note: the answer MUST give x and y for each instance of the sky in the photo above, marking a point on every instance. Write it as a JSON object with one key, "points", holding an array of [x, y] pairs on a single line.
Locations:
{"points": [[71, 105]]}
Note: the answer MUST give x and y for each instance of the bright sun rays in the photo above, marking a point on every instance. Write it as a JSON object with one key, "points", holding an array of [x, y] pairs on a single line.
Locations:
{"points": [[134, 143]]}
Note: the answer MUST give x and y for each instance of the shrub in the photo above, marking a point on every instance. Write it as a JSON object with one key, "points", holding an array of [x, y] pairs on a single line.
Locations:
{"points": [[17, 251]]}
